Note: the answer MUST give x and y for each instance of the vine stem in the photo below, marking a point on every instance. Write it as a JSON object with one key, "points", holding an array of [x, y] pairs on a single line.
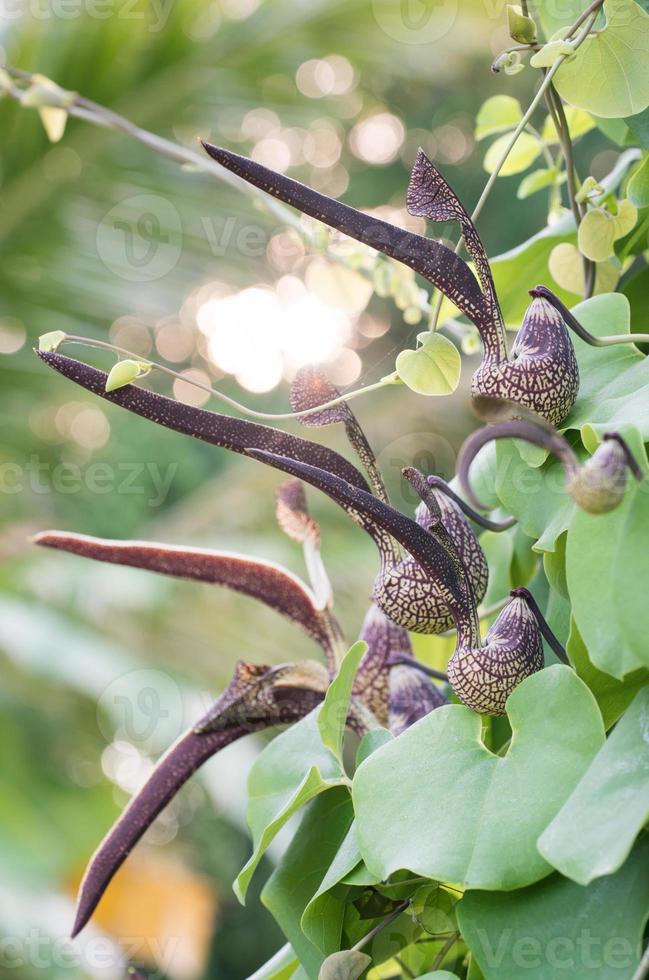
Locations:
{"points": [[244, 409], [382, 925], [446, 948], [540, 94]]}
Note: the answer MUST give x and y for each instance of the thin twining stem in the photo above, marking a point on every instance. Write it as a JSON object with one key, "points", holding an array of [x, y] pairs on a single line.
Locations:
{"points": [[406, 661], [99, 115], [382, 925], [238, 406], [439, 484], [580, 330], [545, 84], [555, 105]]}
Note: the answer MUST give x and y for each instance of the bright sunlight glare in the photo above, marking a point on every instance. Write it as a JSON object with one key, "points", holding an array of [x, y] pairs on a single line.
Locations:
{"points": [[261, 335]]}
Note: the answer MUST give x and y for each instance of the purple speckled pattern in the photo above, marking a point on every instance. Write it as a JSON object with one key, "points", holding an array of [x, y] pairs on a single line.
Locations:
{"points": [[409, 596], [541, 372], [483, 676]]}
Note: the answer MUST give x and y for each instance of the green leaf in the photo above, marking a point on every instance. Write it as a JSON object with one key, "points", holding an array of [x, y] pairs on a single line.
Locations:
{"points": [[550, 53], [521, 27], [612, 695], [594, 831], [348, 964], [628, 573], [591, 550], [566, 267], [287, 893], [438, 975], [432, 369], [525, 151], [599, 230], [279, 967], [370, 742], [536, 181], [496, 115], [560, 929], [291, 770], [124, 372], [433, 908], [465, 815], [51, 341], [322, 908], [614, 381], [335, 708], [609, 74], [638, 186]]}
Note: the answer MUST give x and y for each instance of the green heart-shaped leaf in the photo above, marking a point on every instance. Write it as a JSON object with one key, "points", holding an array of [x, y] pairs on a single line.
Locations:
{"points": [[432, 369], [609, 74], [465, 815]]}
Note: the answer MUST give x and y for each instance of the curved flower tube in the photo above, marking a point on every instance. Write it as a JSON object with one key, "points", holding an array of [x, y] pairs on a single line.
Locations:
{"points": [[540, 372], [265, 581], [597, 485], [257, 698], [411, 596]]}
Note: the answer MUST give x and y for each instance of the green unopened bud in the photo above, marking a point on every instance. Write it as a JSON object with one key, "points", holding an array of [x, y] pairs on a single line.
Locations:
{"points": [[550, 53], [510, 62], [589, 189], [599, 485], [124, 372], [51, 342], [521, 27]]}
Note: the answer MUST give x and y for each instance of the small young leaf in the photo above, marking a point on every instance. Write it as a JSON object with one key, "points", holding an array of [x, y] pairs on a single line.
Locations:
{"points": [[525, 151], [124, 372], [550, 53], [521, 27], [54, 121], [349, 964], [589, 189], [536, 181], [638, 186], [51, 341], [432, 369], [596, 235], [599, 230], [567, 269], [498, 114]]}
